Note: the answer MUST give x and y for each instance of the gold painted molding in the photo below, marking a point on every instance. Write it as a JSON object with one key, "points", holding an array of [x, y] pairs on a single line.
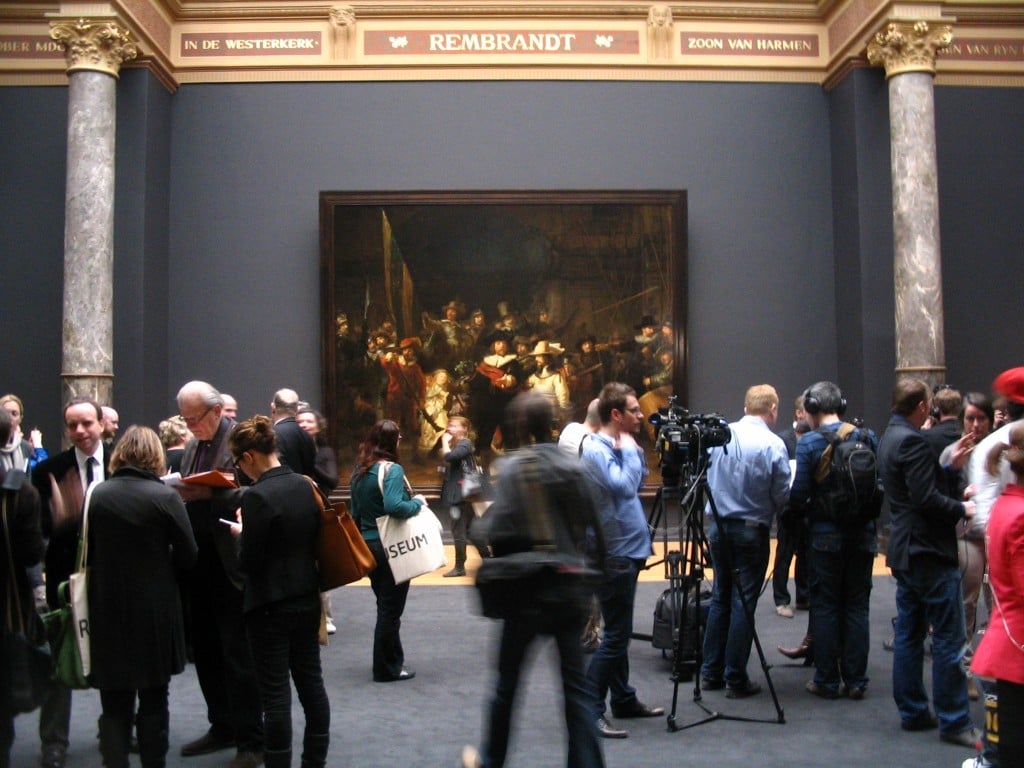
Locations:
{"points": [[909, 46], [94, 45]]}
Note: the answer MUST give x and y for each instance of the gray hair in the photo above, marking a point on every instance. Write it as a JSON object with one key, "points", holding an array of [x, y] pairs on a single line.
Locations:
{"points": [[202, 391]]}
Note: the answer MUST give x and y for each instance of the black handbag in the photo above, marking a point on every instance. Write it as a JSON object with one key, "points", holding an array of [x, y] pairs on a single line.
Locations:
{"points": [[27, 662], [472, 483]]}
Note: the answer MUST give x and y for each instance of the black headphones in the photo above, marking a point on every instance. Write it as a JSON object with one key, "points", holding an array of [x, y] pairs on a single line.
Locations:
{"points": [[812, 405]]}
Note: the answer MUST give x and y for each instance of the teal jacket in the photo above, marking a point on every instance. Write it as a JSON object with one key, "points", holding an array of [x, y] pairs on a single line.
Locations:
{"points": [[368, 504]]}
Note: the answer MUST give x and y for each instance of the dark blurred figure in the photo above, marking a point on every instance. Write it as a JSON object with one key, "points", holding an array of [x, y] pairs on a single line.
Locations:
{"points": [[542, 500], [21, 521]]}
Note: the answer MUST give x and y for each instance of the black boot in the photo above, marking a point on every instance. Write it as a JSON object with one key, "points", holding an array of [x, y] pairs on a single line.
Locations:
{"points": [[152, 731], [277, 758], [460, 561], [314, 750], [114, 736]]}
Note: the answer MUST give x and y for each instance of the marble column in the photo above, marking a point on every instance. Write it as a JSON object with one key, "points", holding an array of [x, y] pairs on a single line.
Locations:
{"points": [[907, 50], [94, 50]]}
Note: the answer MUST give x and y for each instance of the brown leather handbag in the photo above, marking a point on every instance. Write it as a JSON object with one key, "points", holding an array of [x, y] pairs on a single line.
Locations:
{"points": [[342, 554]]}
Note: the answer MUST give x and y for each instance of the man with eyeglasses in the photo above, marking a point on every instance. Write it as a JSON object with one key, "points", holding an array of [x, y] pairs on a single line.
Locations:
{"points": [[617, 465], [220, 645]]}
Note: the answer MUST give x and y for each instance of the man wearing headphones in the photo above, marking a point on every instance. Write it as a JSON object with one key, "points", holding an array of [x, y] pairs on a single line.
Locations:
{"points": [[841, 553]]}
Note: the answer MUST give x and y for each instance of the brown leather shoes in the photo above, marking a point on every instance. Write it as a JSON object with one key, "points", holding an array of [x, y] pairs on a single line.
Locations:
{"points": [[801, 651]]}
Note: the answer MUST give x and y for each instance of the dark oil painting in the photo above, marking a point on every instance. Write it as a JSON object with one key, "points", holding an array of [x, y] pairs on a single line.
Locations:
{"points": [[437, 304]]}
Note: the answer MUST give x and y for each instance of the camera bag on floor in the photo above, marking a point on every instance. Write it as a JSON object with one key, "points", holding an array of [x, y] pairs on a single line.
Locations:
{"points": [[667, 610]]}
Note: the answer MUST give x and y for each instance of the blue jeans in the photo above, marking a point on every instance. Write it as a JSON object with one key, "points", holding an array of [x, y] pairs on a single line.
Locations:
{"points": [[284, 641], [740, 559], [609, 667], [516, 636], [841, 564], [929, 593]]}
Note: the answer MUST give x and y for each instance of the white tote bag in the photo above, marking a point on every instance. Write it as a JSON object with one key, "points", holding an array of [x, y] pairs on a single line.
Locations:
{"points": [[413, 545], [79, 591]]}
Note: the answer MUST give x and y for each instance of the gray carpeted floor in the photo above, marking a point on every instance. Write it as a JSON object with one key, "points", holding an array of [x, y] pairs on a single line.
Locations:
{"points": [[425, 722]]}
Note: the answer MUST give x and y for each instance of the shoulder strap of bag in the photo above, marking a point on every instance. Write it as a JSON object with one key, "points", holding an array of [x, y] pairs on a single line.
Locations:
{"points": [[382, 471], [318, 495], [83, 550], [14, 603], [832, 438]]}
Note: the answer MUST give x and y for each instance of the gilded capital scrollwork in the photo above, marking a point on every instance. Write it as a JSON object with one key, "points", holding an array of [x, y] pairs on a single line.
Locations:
{"points": [[99, 46], [909, 46], [343, 20]]}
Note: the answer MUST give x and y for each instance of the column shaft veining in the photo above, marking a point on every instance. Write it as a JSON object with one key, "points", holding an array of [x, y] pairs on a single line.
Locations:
{"points": [[94, 52], [907, 50]]}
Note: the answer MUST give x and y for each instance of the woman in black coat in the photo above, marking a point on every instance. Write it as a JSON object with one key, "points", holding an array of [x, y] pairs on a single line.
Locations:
{"points": [[139, 539], [457, 451], [281, 602]]}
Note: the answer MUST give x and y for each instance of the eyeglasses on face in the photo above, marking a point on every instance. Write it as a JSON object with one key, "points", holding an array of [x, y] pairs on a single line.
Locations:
{"points": [[191, 421]]}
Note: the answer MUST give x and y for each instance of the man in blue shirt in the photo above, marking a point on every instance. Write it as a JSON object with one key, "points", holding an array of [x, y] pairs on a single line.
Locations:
{"points": [[616, 464], [749, 483]]}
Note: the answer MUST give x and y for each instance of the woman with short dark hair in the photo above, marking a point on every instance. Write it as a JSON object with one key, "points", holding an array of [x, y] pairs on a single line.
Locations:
{"points": [[281, 600], [139, 539]]}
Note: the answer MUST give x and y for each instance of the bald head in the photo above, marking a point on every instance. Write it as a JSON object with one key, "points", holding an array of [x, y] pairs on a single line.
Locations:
{"points": [[284, 404]]}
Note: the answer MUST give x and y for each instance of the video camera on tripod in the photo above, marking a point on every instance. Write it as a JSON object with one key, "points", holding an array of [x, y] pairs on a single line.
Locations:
{"points": [[683, 439]]}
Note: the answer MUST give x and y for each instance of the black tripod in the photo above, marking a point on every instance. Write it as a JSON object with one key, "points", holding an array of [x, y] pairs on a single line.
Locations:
{"points": [[685, 573]]}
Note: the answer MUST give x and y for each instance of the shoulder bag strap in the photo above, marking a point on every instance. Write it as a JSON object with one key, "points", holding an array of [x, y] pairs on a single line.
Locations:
{"points": [[83, 549], [318, 495], [14, 603]]}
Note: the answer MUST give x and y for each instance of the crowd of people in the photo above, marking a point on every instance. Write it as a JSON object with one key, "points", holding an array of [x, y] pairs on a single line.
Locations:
{"points": [[216, 561]]}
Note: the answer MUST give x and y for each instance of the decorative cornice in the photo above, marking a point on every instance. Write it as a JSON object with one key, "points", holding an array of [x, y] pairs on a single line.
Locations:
{"points": [[94, 45], [909, 46]]}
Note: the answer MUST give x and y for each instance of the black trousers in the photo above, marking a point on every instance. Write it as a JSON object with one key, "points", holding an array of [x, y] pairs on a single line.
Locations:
{"points": [[223, 658]]}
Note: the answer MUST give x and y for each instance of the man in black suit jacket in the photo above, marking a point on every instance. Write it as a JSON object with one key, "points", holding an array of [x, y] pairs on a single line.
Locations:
{"points": [[923, 558], [62, 481], [224, 663], [295, 447]]}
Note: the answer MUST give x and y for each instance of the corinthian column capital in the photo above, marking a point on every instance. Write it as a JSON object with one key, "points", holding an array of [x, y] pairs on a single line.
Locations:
{"points": [[98, 46], [909, 46]]}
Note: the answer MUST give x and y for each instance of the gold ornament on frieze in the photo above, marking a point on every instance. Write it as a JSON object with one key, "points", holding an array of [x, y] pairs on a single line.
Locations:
{"points": [[343, 21], [909, 46], [100, 46]]}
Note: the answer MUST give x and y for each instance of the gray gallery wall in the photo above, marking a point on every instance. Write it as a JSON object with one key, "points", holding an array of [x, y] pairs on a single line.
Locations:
{"points": [[217, 252], [249, 162]]}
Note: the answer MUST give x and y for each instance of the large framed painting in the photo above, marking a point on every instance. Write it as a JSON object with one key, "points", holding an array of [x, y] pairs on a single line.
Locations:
{"points": [[443, 304]]}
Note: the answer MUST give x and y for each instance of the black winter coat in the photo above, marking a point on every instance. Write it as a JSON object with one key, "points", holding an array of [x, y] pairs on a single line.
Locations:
{"points": [[139, 540]]}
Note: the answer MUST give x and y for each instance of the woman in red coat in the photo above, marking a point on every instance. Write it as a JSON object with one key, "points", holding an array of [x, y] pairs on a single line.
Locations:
{"points": [[1001, 653]]}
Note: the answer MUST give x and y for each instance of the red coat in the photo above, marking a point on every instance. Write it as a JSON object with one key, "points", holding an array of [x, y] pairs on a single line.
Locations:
{"points": [[1001, 655]]}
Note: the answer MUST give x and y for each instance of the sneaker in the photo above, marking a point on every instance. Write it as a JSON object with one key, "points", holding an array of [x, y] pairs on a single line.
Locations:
{"points": [[821, 690], [858, 693], [742, 691], [331, 629], [785, 611], [967, 738]]}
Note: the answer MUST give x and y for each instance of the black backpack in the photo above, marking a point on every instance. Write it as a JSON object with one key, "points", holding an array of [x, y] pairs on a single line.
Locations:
{"points": [[850, 492]]}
